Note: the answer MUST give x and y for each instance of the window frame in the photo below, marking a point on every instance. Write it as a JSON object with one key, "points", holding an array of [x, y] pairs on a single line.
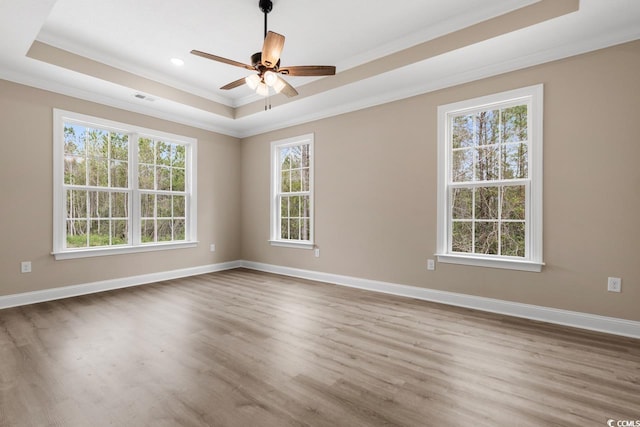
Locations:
{"points": [[533, 261], [275, 213], [134, 245]]}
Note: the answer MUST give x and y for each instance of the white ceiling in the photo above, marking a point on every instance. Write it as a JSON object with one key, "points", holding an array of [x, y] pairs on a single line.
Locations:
{"points": [[141, 36]]}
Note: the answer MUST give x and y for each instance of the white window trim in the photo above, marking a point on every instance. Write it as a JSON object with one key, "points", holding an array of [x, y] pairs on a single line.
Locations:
{"points": [[533, 95], [274, 239], [60, 251]]}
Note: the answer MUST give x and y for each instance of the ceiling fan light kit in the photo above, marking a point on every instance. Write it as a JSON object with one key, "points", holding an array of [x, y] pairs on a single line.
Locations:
{"points": [[267, 64]]}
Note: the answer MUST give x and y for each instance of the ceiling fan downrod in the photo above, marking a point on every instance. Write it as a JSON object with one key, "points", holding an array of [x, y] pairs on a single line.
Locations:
{"points": [[265, 6]]}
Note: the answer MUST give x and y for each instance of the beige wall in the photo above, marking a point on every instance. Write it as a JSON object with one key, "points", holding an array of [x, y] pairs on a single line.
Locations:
{"points": [[376, 190], [26, 196]]}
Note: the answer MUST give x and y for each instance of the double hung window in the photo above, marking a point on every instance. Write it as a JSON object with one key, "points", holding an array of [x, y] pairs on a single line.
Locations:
{"points": [[120, 188], [490, 181], [292, 192]]}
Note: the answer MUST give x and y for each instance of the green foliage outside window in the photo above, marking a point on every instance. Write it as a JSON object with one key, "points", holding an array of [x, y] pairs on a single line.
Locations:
{"points": [[489, 155]]}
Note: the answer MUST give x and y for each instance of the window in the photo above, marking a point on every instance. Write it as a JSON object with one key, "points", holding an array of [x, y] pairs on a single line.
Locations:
{"points": [[292, 192], [490, 181], [120, 188]]}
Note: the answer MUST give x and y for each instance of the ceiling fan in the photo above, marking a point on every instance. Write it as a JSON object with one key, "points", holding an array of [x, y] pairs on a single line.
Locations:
{"points": [[267, 64]]}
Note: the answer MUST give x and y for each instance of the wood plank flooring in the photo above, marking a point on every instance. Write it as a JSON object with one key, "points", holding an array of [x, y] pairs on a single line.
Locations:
{"points": [[243, 348]]}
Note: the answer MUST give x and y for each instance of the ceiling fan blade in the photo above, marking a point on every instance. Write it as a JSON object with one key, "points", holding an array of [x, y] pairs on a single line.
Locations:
{"points": [[309, 70], [272, 48], [287, 89], [234, 84], [221, 59]]}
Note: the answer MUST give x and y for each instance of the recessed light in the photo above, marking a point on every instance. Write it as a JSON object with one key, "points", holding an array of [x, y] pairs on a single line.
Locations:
{"points": [[177, 62]]}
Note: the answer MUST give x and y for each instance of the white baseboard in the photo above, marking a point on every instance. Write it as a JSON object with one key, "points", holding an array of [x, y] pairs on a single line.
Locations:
{"points": [[611, 325], [106, 285], [592, 322]]}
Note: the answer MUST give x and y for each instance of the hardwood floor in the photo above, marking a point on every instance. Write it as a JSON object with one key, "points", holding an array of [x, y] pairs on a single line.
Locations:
{"points": [[243, 348]]}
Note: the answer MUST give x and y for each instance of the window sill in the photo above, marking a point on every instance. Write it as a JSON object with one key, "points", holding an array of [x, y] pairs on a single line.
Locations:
{"points": [[96, 252], [505, 263], [292, 244]]}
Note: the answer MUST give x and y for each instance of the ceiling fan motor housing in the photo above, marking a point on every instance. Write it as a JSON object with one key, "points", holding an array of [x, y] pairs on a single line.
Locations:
{"points": [[256, 61]]}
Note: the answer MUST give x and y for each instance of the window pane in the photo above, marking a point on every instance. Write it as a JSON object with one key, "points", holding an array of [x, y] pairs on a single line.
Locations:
{"points": [[76, 233], [305, 180], [285, 159], [514, 161], [119, 232], [296, 180], [163, 178], [513, 202], [284, 207], [119, 205], [147, 205], [488, 127], [486, 203], [462, 170], [486, 238], [294, 229], [76, 204], [98, 172], [514, 124], [284, 228], [177, 179], [98, 143], [178, 229], [99, 233], [295, 154], [513, 239], [99, 204], [147, 231], [119, 146], [285, 185], [146, 149], [74, 170], [74, 139], [462, 132], [179, 207], [462, 237], [305, 229], [146, 177], [487, 164], [119, 172], [294, 207], [179, 155], [164, 230], [305, 156], [163, 153], [462, 203], [305, 207], [164, 206]]}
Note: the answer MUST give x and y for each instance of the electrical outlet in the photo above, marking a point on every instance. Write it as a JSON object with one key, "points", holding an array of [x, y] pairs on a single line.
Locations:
{"points": [[431, 264], [316, 252], [212, 247], [25, 267], [614, 284]]}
